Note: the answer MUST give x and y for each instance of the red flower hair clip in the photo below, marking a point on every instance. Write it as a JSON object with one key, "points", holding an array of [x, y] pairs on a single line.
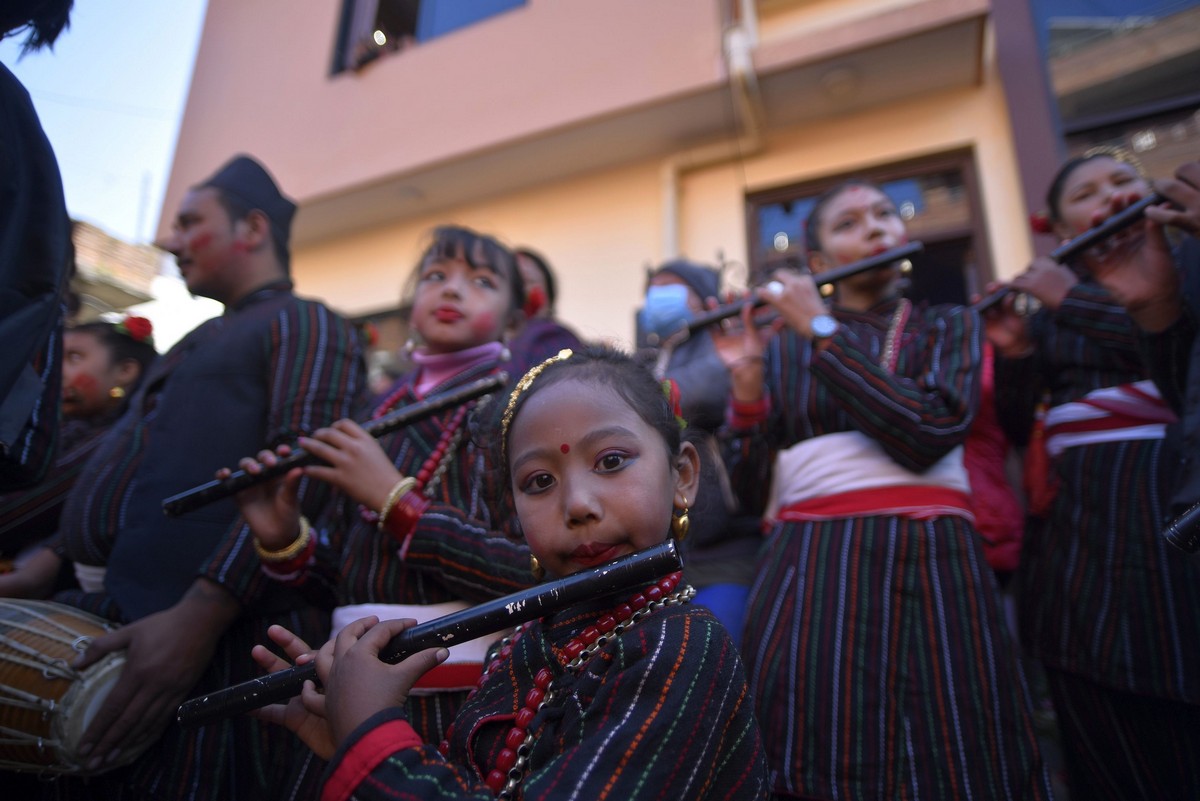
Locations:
{"points": [[1039, 221], [370, 334], [671, 393], [139, 329]]}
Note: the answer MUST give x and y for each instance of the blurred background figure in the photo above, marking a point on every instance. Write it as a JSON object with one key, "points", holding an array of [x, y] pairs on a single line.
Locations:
{"points": [[722, 542], [541, 335], [103, 366]]}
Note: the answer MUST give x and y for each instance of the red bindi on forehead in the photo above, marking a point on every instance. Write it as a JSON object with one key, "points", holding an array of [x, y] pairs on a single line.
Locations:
{"points": [[565, 448]]}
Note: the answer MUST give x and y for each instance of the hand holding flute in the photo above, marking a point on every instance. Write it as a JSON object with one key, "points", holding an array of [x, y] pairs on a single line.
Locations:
{"points": [[1142, 274], [1110, 240]]}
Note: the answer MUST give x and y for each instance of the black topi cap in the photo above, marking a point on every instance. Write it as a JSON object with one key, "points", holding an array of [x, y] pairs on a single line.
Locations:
{"points": [[245, 178]]}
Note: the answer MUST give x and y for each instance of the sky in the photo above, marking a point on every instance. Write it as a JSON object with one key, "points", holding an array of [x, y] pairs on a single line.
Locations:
{"points": [[110, 96]]}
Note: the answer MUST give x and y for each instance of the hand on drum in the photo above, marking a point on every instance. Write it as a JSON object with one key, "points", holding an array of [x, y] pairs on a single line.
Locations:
{"points": [[304, 715], [166, 653], [358, 684]]}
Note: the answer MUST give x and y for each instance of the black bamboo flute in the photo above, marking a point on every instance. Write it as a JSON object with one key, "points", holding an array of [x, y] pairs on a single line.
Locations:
{"points": [[239, 480], [826, 278], [1073, 247], [625, 573]]}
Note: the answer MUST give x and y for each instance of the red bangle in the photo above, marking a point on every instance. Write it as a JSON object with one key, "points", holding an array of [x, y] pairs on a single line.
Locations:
{"points": [[403, 516], [744, 415]]}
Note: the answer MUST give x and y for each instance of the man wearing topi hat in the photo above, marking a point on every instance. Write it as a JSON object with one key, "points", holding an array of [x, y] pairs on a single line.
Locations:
{"points": [[188, 589]]}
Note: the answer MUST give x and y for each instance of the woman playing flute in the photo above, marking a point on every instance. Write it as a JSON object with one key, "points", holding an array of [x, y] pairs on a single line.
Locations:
{"points": [[1105, 604], [874, 640]]}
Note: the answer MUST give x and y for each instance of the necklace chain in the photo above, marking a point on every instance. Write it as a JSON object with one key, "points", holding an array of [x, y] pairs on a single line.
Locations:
{"points": [[888, 362], [514, 759]]}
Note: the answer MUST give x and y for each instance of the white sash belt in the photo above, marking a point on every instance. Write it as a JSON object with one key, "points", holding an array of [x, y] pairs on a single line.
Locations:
{"points": [[850, 460]]}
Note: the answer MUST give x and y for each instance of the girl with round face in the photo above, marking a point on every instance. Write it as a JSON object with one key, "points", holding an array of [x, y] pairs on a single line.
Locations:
{"points": [[597, 469], [408, 529], [459, 304], [591, 479], [1094, 561]]}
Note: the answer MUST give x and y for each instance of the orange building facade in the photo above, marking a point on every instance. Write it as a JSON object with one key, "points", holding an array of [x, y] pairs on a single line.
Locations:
{"points": [[612, 136]]}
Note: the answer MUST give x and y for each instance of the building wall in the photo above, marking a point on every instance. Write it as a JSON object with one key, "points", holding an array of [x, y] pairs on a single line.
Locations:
{"points": [[601, 231], [261, 85], [263, 69]]}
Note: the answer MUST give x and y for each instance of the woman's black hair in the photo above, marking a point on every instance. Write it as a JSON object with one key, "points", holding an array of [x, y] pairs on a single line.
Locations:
{"points": [[45, 20], [547, 274], [599, 365], [120, 347], [812, 225], [478, 250]]}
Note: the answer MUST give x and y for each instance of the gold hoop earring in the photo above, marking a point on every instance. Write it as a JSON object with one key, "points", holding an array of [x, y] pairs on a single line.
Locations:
{"points": [[680, 523], [116, 393], [535, 567]]}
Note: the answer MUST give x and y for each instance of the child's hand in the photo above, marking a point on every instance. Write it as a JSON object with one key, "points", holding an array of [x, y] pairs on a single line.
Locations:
{"points": [[1138, 268], [357, 463], [357, 683], [270, 508], [304, 715]]}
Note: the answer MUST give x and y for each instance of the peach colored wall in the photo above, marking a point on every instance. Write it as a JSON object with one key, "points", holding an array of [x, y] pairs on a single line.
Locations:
{"points": [[602, 230], [783, 18], [558, 61]]}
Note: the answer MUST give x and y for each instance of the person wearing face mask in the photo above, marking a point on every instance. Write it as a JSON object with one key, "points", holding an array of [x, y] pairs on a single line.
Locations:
{"points": [[722, 544], [1105, 604]]}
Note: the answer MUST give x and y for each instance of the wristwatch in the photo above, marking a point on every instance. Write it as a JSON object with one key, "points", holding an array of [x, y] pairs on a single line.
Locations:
{"points": [[823, 326]]}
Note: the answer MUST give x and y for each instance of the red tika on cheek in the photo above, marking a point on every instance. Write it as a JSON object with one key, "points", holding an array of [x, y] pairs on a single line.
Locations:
{"points": [[484, 325], [201, 240]]}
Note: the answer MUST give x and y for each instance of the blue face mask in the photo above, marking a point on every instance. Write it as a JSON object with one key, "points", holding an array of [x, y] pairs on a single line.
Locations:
{"points": [[666, 310]]}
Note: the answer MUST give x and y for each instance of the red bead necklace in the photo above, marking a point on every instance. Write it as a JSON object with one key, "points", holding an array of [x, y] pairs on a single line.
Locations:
{"points": [[518, 743]]}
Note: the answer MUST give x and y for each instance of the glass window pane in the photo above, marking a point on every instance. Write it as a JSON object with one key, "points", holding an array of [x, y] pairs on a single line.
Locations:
{"points": [[439, 17], [1112, 58]]}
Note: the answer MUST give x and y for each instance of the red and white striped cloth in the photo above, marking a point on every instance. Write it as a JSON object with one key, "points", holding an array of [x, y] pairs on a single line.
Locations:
{"points": [[1110, 414]]}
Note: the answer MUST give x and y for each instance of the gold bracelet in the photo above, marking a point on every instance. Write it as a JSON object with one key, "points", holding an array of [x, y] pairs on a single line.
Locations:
{"points": [[289, 552], [402, 486]]}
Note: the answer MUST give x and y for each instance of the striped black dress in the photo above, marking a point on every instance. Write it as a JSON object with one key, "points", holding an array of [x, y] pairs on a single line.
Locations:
{"points": [[658, 712], [877, 655], [1106, 605]]}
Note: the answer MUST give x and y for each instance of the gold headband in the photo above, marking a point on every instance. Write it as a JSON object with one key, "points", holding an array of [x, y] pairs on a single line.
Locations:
{"points": [[522, 385]]}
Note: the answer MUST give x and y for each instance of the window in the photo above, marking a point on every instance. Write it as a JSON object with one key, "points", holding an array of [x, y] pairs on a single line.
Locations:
{"points": [[371, 28], [1125, 73], [938, 200]]}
